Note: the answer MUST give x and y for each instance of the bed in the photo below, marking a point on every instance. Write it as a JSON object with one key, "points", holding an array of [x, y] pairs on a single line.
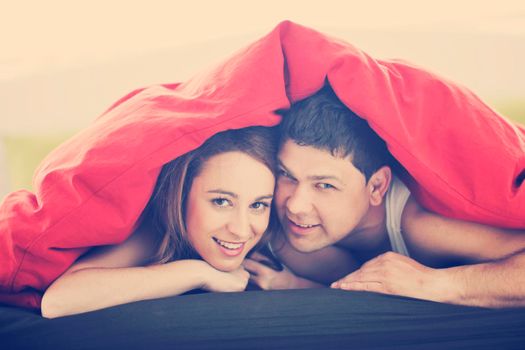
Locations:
{"points": [[290, 319], [103, 176]]}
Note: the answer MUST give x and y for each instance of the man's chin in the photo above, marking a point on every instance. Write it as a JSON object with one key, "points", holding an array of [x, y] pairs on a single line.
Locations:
{"points": [[302, 244]]}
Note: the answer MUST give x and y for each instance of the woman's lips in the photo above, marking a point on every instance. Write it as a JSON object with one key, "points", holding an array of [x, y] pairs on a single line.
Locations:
{"points": [[230, 248]]}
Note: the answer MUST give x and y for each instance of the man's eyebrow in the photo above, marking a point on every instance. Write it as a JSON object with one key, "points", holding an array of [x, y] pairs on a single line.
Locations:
{"points": [[280, 164], [324, 177], [311, 177]]}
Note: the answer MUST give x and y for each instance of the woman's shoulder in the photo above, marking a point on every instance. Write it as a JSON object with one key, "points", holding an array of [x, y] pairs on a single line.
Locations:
{"points": [[136, 250]]}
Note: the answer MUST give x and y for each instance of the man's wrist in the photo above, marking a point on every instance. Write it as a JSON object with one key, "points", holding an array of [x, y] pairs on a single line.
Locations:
{"points": [[450, 286]]}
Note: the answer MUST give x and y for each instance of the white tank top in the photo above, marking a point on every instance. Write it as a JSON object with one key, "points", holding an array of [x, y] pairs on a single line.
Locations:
{"points": [[396, 199]]}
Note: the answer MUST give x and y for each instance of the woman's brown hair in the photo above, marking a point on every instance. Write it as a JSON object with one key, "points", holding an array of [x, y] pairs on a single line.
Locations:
{"points": [[166, 211]]}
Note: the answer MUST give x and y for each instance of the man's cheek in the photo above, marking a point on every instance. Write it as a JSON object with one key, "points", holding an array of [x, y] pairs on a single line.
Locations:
{"points": [[280, 196]]}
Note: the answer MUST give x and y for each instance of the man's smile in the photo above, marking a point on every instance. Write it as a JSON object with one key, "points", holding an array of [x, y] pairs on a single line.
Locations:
{"points": [[300, 228]]}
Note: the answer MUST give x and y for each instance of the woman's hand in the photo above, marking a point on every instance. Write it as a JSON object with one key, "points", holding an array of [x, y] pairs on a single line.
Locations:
{"points": [[269, 279], [220, 281]]}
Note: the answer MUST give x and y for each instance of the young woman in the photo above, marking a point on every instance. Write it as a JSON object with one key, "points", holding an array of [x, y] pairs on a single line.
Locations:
{"points": [[209, 208]]}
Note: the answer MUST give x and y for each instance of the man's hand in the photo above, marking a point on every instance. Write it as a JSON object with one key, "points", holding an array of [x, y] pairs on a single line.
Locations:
{"points": [[269, 279], [396, 274]]}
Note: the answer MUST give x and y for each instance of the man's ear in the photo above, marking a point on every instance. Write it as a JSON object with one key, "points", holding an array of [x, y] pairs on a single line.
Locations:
{"points": [[378, 184]]}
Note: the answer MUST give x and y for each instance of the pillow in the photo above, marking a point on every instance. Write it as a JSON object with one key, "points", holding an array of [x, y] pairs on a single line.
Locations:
{"points": [[463, 159]]}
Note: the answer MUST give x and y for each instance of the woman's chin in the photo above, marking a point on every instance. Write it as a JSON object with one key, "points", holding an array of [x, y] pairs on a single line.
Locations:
{"points": [[227, 266]]}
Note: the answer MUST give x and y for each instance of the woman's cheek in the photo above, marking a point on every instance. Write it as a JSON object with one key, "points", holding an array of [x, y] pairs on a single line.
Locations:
{"points": [[262, 225]]}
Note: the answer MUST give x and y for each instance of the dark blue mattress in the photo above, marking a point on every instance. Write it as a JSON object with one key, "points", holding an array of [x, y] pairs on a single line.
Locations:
{"points": [[291, 319]]}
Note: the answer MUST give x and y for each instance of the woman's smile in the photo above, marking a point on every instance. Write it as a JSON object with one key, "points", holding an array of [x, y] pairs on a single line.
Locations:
{"points": [[230, 248]]}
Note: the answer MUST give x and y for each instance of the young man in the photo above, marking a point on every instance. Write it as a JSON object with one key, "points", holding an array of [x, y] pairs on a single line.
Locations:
{"points": [[349, 222]]}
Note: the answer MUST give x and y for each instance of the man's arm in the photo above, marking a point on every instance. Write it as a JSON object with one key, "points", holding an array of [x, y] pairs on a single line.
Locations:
{"points": [[498, 283], [492, 273], [302, 270]]}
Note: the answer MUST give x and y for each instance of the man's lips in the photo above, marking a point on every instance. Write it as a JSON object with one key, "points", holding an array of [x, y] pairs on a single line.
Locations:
{"points": [[300, 228]]}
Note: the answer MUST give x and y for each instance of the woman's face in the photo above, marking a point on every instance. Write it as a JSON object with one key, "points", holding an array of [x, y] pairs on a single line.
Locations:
{"points": [[228, 208]]}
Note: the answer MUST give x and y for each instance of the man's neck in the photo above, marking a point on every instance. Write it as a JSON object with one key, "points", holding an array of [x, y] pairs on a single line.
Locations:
{"points": [[370, 238]]}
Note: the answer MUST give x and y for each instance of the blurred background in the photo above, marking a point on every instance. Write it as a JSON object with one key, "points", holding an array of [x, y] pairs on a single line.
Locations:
{"points": [[62, 63]]}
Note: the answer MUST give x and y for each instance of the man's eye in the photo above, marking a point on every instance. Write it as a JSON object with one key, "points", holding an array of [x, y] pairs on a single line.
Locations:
{"points": [[221, 202], [324, 186], [283, 172]]}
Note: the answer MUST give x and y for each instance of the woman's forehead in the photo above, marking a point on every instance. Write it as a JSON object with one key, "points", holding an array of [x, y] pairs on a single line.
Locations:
{"points": [[235, 172]]}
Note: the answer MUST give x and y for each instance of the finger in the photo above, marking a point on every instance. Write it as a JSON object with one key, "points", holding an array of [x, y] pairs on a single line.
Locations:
{"points": [[240, 272], [362, 286], [371, 274], [335, 285], [259, 282], [268, 259], [255, 279], [258, 267], [251, 266], [245, 274], [270, 262], [256, 256]]}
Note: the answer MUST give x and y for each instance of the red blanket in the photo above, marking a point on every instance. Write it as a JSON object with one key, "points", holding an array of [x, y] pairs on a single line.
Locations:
{"points": [[465, 160]]}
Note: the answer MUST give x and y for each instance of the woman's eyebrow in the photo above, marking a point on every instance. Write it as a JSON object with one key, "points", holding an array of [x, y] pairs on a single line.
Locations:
{"points": [[219, 191], [231, 194], [268, 196]]}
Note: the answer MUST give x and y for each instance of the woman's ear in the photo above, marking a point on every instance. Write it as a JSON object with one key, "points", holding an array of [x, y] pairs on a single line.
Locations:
{"points": [[378, 184]]}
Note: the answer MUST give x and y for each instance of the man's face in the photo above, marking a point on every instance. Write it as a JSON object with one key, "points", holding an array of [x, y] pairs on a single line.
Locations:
{"points": [[320, 198]]}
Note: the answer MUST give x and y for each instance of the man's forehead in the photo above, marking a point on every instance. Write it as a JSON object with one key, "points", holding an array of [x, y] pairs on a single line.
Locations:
{"points": [[292, 148], [314, 163]]}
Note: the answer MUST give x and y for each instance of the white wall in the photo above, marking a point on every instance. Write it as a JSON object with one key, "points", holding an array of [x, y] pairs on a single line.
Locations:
{"points": [[63, 62]]}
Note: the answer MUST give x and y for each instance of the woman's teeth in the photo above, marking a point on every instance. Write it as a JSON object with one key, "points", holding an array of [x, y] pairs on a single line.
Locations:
{"points": [[229, 245]]}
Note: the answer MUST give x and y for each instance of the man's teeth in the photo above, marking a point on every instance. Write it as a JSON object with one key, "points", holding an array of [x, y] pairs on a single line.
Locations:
{"points": [[229, 245], [304, 226]]}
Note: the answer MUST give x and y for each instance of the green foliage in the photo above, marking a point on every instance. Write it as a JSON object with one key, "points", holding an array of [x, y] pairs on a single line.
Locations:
{"points": [[512, 109], [24, 153]]}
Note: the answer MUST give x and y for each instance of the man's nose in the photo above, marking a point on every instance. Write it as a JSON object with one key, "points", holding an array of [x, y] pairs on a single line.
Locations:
{"points": [[299, 201], [239, 225]]}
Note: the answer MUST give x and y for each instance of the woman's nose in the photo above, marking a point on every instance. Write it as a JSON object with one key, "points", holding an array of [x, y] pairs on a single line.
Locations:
{"points": [[239, 225]]}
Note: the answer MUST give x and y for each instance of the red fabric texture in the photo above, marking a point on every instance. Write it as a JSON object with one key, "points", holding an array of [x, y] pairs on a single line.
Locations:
{"points": [[463, 158]]}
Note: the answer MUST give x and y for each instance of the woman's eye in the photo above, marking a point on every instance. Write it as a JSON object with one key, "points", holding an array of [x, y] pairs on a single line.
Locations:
{"points": [[260, 206], [221, 202]]}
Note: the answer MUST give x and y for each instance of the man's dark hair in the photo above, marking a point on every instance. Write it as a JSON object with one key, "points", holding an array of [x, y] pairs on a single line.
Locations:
{"points": [[324, 122]]}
